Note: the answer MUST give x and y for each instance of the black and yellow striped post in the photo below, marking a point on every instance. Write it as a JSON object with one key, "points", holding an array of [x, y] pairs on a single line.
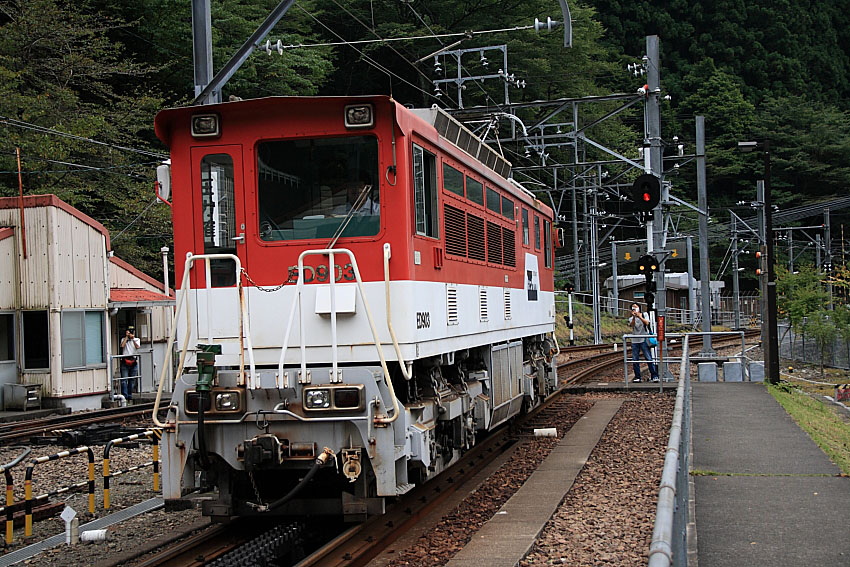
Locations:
{"points": [[10, 500], [10, 492], [107, 473], [28, 499]]}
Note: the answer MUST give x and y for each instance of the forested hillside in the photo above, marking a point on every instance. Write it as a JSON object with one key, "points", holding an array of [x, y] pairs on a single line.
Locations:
{"points": [[100, 70]]}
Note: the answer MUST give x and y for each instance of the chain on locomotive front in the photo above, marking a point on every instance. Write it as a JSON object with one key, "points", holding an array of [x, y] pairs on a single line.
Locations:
{"points": [[363, 293]]}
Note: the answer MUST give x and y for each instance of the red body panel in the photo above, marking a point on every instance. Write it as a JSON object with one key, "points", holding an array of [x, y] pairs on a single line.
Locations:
{"points": [[246, 123]]}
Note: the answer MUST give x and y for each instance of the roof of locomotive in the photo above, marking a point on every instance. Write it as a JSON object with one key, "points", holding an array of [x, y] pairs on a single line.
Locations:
{"points": [[408, 120]]}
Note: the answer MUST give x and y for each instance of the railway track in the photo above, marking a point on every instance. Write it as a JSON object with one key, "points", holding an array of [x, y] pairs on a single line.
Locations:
{"points": [[15, 431]]}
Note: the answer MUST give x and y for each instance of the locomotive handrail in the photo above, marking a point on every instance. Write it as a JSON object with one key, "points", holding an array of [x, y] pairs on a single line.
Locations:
{"points": [[404, 371], [299, 289], [244, 327]]}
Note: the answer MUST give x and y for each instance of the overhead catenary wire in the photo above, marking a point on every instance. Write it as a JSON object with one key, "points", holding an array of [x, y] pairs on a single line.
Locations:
{"points": [[45, 130], [365, 57]]}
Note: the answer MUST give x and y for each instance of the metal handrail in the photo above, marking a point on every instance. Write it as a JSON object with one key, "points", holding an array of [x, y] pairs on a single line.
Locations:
{"points": [[667, 547], [299, 290]]}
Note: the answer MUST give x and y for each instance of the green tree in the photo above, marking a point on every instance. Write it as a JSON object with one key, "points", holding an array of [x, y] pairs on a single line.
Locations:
{"points": [[821, 325]]}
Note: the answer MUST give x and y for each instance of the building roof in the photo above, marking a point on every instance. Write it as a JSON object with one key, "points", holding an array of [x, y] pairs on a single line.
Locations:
{"points": [[672, 280], [139, 274], [32, 201], [6, 232], [137, 297]]}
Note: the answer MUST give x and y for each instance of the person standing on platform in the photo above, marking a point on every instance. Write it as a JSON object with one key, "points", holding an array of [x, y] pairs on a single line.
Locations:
{"points": [[639, 322], [129, 362]]}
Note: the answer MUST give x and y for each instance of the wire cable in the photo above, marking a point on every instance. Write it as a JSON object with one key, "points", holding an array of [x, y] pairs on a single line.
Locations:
{"points": [[365, 57], [117, 236], [44, 130]]}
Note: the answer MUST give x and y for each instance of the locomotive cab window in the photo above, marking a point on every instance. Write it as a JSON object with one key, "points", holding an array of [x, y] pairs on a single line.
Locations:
{"points": [[218, 216], [547, 244], [536, 232], [425, 191], [314, 188]]}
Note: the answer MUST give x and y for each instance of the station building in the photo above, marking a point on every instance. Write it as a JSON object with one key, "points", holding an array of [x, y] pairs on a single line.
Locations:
{"points": [[632, 288], [65, 303]]}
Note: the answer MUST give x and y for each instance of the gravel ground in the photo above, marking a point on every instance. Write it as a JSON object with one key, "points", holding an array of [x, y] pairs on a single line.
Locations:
{"points": [[607, 516], [126, 490], [444, 540]]}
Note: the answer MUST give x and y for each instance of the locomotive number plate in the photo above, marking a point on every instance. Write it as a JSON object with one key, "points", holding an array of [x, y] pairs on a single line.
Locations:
{"points": [[322, 274]]}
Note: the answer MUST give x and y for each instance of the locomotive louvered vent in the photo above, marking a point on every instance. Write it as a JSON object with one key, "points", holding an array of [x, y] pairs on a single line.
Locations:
{"points": [[477, 243], [455, 231], [508, 242], [494, 243], [459, 135], [482, 303], [451, 305], [507, 291]]}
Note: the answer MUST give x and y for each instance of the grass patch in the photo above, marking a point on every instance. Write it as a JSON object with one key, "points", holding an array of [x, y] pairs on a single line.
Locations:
{"points": [[822, 424]]}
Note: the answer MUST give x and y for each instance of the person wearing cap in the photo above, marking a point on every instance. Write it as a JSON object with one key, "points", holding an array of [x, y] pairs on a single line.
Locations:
{"points": [[639, 322], [129, 362]]}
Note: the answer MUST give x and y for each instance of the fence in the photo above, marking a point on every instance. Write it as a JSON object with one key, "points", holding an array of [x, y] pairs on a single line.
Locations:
{"points": [[798, 346], [669, 535]]}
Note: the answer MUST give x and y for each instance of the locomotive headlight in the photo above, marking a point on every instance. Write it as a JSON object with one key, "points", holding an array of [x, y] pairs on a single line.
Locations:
{"points": [[317, 399], [205, 126], [227, 401], [359, 116]]}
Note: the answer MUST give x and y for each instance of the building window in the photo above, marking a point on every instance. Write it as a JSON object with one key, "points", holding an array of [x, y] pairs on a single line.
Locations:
{"points": [[82, 339], [36, 340], [474, 191], [547, 244], [425, 191], [452, 180], [536, 232], [7, 337], [525, 228], [638, 295]]}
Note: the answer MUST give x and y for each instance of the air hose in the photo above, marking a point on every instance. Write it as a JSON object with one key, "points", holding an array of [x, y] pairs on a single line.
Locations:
{"points": [[323, 458]]}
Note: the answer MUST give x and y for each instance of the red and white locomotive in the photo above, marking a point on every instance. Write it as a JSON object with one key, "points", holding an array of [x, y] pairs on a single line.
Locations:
{"points": [[364, 291]]}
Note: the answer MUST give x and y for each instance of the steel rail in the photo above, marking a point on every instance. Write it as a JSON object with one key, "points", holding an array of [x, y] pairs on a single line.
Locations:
{"points": [[28, 428]]}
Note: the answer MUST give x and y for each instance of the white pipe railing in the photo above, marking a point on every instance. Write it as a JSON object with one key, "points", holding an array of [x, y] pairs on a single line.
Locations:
{"points": [[668, 547]]}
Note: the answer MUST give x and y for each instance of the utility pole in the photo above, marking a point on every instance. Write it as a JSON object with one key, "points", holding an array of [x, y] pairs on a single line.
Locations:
{"points": [[656, 247], [202, 47], [692, 290], [576, 259], [594, 268], [763, 248], [791, 251], [614, 284], [736, 293], [702, 204], [828, 237], [773, 345]]}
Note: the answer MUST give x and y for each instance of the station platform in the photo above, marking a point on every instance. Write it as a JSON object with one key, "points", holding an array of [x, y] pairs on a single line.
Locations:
{"points": [[764, 492]]}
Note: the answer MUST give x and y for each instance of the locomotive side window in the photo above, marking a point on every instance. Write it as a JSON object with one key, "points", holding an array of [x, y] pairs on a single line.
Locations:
{"points": [[507, 208], [536, 232], [311, 188], [452, 180], [525, 227], [475, 191], [493, 201], [425, 191], [547, 244], [218, 216]]}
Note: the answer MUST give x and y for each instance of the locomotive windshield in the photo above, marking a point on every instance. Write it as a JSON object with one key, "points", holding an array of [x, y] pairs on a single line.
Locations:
{"points": [[309, 188]]}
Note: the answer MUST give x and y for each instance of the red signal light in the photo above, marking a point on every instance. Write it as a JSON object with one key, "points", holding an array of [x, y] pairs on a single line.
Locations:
{"points": [[646, 197]]}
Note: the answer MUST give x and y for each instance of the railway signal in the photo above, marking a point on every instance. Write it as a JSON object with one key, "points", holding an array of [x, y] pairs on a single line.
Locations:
{"points": [[646, 193], [647, 264]]}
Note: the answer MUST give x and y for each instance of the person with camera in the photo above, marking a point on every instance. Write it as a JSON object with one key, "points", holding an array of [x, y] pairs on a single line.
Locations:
{"points": [[639, 322], [129, 362]]}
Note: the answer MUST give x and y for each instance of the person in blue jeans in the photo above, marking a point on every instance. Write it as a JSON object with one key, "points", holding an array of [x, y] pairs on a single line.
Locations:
{"points": [[639, 322], [129, 362]]}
